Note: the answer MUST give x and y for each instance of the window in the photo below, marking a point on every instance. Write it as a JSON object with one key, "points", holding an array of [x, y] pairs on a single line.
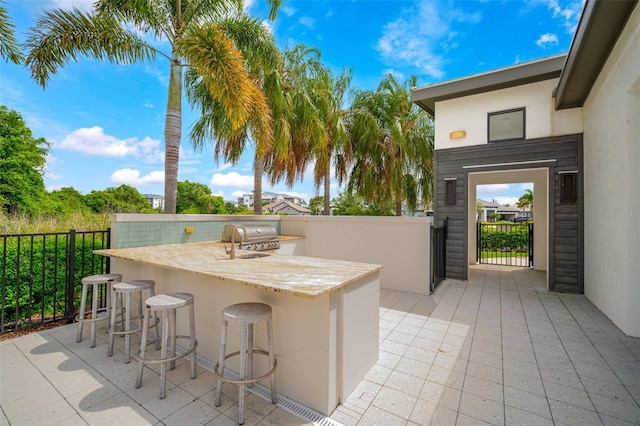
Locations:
{"points": [[450, 192], [506, 125], [568, 187]]}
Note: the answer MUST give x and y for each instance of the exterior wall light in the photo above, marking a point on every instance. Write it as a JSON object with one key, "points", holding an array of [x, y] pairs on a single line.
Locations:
{"points": [[459, 134], [188, 230]]}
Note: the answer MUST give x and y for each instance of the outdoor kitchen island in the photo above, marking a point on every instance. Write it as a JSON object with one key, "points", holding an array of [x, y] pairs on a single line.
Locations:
{"points": [[325, 312]]}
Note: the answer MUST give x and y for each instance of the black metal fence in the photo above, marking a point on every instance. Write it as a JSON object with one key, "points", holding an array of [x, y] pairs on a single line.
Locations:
{"points": [[40, 275], [438, 254], [509, 244]]}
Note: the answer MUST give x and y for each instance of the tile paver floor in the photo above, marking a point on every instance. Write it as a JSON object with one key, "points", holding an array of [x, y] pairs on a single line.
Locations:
{"points": [[497, 349]]}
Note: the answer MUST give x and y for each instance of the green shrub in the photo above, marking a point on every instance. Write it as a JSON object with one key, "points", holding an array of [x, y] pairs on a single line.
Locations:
{"points": [[34, 270], [504, 238]]}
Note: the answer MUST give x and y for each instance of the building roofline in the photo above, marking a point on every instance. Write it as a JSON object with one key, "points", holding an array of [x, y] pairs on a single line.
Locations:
{"points": [[601, 23], [515, 75], [600, 26]]}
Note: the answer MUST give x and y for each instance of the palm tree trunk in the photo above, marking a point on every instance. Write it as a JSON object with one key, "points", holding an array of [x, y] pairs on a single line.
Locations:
{"points": [[172, 134], [327, 189], [258, 170]]}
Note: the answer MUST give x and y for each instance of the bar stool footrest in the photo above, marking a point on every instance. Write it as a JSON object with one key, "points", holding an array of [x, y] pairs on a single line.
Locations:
{"points": [[162, 361], [216, 371], [101, 315]]}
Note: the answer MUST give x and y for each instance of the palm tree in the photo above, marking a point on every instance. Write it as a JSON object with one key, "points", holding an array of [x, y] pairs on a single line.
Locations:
{"points": [[114, 31], [526, 200], [336, 147], [306, 88], [393, 146], [289, 84], [9, 49], [261, 58]]}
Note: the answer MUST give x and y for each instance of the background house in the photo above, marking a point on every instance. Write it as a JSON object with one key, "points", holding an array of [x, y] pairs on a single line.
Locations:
{"points": [[268, 197], [156, 201], [570, 125], [286, 207]]}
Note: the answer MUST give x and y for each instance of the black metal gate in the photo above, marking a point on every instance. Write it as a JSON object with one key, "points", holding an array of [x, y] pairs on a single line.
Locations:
{"points": [[509, 244], [438, 254]]}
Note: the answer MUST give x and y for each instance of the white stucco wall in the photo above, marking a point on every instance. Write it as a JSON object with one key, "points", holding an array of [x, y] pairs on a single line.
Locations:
{"points": [[469, 113], [612, 184], [402, 245]]}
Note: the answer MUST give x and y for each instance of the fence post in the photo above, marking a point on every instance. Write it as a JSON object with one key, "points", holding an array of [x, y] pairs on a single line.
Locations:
{"points": [[108, 246], [71, 275]]}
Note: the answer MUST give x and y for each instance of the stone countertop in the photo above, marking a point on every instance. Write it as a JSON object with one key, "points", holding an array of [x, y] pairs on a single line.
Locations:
{"points": [[297, 275]]}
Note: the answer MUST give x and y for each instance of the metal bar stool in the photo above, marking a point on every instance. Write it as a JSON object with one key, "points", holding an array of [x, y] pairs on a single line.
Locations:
{"points": [[245, 314], [120, 291], [168, 304], [96, 314]]}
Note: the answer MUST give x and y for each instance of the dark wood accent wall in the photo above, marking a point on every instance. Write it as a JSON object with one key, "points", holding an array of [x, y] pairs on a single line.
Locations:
{"points": [[559, 155]]}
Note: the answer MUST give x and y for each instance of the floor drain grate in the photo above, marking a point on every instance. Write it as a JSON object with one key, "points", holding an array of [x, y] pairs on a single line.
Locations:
{"points": [[287, 404]]}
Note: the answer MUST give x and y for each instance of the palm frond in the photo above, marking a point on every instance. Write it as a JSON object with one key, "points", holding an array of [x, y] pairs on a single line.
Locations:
{"points": [[9, 48], [61, 36]]}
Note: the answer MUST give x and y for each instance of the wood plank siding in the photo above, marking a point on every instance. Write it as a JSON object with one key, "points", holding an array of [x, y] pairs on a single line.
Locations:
{"points": [[559, 154]]}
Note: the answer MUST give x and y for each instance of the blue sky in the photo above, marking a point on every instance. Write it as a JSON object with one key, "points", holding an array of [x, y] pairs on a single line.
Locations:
{"points": [[105, 122]]}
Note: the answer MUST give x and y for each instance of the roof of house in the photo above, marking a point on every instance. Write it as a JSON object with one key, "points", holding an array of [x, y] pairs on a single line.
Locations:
{"points": [[600, 26], [485, 203], [528, 72], [272, 206], [509, 209]]}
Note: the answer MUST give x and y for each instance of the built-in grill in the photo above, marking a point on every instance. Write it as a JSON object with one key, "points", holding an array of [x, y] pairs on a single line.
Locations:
{"points": [[252, 237]]}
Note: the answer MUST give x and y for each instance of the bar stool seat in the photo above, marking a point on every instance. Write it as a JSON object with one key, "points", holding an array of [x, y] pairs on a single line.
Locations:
{"points": [[124, 290], [245, 314], [168, 304], [97, 314]]}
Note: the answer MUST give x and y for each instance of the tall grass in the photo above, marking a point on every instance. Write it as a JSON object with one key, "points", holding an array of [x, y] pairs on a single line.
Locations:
{"points": [[23, 224]]}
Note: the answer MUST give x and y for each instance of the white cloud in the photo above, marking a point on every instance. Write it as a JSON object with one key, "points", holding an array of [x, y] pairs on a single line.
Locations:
{"points": [[224, 167], [68, 4], [499, 188], [307, 22], [159, 75], [506, 201], [132, 177], [413, 39], [288, 10], [568, 13], [52, 176], [231, 180], [237, 194], [524, 186], [94, 141], [397, 74], [546, 40]]}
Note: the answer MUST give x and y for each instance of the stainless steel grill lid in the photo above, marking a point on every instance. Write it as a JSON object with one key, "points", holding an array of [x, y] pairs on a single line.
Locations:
{"points": [[253, 237]]}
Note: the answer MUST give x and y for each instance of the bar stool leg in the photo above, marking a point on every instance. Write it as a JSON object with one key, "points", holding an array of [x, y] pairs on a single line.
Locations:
{"points": [[223, 350], [83, 307], [250, 353], [272, 360], [127, 327], [192, 341], [172, 322], [243, 373], [112, 325], [163, 353], [94, 314], [143, 347]]}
